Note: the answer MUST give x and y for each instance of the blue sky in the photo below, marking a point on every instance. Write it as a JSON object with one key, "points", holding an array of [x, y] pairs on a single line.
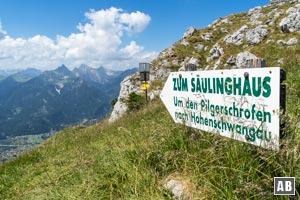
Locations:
{"points": [[47, 33]]}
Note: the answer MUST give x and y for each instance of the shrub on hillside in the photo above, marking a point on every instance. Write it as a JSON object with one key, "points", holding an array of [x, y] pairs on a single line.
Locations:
{"points": [[135, 101], [113, 102]]}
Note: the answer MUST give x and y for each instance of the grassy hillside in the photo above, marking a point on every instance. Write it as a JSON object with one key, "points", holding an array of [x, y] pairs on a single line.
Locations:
{"points": [[134, 157]]}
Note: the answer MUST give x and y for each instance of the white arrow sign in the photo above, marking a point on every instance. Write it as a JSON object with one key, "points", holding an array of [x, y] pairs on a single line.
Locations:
{"points": [[243, 104]]}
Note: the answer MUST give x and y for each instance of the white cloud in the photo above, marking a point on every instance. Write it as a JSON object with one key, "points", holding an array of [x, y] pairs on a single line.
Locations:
{"points": [[97, 43]]}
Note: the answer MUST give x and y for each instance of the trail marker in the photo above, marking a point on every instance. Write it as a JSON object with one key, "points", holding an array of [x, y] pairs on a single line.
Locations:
{"points": [[242, 104]]}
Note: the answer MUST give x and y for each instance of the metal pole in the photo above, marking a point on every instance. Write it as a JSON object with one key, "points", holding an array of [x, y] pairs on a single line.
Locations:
{"points": [[145, 79], [146, 95]]}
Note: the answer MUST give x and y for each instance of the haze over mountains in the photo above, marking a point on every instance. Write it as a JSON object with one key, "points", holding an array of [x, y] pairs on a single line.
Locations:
{"points": [[34, 102]]}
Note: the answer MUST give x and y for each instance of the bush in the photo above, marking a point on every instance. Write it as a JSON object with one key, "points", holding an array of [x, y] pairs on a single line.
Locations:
{"points": [[113, 102], [135, 101]]}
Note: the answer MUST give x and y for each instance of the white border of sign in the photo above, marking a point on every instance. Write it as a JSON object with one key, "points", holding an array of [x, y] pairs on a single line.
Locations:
{"points": [[225, 103]]}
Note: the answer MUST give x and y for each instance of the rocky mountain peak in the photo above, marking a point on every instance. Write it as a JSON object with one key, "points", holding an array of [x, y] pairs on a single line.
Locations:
{"points": [[84, 67], [63, 70]]}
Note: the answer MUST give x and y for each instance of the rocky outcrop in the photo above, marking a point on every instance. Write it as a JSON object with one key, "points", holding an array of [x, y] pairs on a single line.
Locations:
{"points": [[187, 61], [200, 47], [256, 35], [184, 42], [132, 84], [241, 59], [159, 73], [252, 36], [189, 32], [291, 23], [215, 52], [206, 36], [237, 37], [169, 52], [255, 14], [128, 85]]}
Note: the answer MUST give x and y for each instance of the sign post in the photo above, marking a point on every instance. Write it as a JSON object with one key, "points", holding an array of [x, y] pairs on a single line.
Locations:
{"points": [[144, 69], [242, 104]]}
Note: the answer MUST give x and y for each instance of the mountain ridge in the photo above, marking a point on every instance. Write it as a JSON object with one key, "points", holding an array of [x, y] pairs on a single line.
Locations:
{"points": [[54, 99]]}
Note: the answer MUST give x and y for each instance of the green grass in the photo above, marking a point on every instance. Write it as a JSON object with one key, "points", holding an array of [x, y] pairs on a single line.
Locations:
{"points": [[133, 157]]}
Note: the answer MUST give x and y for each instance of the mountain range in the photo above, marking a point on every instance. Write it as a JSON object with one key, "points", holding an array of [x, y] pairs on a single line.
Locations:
{"points": [[34, 102]]}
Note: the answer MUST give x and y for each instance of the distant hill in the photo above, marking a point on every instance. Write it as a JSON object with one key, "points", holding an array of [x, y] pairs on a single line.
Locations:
{"points": [[32, 102], [10, 82], [25, 75], [8, 72]]}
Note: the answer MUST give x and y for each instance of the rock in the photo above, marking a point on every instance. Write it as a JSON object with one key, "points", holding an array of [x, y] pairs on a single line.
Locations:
{"points": [[290, 42], [225, 21], [217, 64], [190, 32], [220, 21], [270, 41], [241, 59], [255, 15], [252, 36], [216, 51], [231, 61], [255, 10], [154, 94], [182, 68], [174, 62], [224, 30], [159, 74], [128, 85], [256, 35], [269, 22], [277, 14], [291, 23], [199, 47], [237, 37], [176, 188], [213, 24], [187, 61], [280, 61], [206, 36], [273, 16], [185, 43], [291, 10], [164, 62], [132, 84], [194, 61], [169, 52]]}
